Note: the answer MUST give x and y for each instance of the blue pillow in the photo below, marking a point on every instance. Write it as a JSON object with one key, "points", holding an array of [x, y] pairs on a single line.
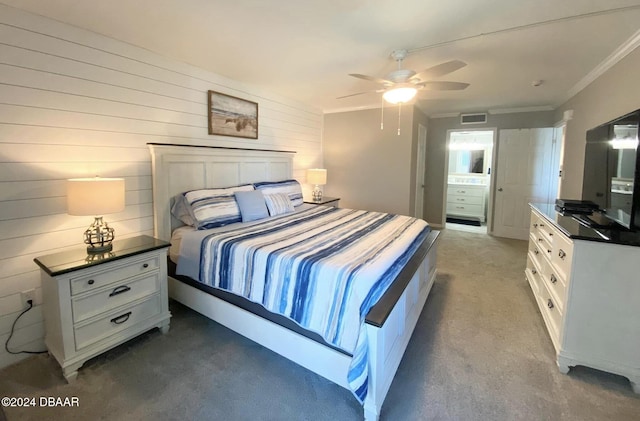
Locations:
{"points": [[252, 205]]}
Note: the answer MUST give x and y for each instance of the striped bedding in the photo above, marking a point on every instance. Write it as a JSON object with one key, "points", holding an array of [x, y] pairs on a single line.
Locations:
{"points": [[322, 267]]}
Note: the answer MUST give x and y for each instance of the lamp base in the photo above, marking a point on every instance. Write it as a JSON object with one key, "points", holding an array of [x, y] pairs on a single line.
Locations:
{"points": [[317, 194], [99, 236]]}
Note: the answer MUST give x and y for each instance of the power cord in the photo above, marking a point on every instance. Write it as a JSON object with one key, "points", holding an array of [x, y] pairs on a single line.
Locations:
{"points": [[6, 344]]}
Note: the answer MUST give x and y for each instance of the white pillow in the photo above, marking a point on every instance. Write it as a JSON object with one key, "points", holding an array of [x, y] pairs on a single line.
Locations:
{"points": [[290, 187], [278, 203], [213, 208]]}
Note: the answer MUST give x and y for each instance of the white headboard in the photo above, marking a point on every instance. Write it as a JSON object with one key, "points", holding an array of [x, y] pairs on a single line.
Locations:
{"points": [[179, 168]]}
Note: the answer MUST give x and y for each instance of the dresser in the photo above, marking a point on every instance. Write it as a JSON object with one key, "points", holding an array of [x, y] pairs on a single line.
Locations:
{"points": [[466, 200], [92, 303], [586, 284]]}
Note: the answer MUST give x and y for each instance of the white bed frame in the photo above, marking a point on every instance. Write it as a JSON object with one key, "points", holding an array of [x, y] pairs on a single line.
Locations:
{"points": [[180, 168]]}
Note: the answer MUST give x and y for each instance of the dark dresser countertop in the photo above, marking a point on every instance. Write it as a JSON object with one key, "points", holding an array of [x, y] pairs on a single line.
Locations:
{"points": [[575, 227], [76, 259]]}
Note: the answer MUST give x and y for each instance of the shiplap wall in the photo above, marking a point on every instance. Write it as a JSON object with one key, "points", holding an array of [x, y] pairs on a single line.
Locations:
{"points": [[74, 103]]}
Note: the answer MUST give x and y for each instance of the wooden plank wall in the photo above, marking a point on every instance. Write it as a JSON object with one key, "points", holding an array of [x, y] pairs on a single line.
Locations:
{"points": [[74, 104]]}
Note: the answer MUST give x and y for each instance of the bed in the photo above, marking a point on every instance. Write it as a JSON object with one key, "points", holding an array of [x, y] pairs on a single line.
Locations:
{"points": [[387, 324]]}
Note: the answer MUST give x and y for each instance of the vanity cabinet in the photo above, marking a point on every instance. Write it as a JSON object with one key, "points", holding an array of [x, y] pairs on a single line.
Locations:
{"points": [[588, 292], [466, 201]]}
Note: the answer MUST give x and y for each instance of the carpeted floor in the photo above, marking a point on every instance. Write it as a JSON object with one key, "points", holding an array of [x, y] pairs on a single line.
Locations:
{"points": [[479, 352]]}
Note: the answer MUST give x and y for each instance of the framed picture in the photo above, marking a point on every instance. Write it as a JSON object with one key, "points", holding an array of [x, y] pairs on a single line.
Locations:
{"points": [[231, 116]]}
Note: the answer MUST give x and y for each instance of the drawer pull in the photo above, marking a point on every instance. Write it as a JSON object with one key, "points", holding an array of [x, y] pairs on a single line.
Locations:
{"points": [[553, 279], [540, 240], [534, 271], [121, 319], [550, 304], [460, 200], [541, 225], [461, 191], [550, 234], [119, 290], [535, 225], [459, 207], [146, 265], [548, 251], [562, 254], [536, 252], [91, 281]]}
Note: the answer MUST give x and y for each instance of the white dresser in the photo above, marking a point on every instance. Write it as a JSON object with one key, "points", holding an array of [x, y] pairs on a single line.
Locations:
{"points": [[588, 292], [94, 303], [466, 200]]}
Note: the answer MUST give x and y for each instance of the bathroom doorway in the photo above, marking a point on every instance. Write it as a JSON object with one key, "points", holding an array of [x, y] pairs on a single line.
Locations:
{"points": [[467, 190]]}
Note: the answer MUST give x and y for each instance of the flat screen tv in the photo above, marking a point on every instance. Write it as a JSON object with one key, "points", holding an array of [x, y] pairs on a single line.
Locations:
{"points": [[612, 170]]}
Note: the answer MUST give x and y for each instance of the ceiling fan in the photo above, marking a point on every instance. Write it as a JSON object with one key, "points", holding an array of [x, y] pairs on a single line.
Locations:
{"points": [[402, 85]]}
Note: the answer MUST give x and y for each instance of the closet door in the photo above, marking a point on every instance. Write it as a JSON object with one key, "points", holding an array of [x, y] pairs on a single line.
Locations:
{"points": [[523, 175]]}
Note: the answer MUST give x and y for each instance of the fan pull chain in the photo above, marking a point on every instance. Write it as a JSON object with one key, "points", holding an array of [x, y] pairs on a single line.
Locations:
{"points": [[382, 113], [399, 112]]}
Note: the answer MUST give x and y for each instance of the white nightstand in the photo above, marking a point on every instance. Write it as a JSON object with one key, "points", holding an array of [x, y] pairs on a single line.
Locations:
{"points": [[325, 201], [92, 303]]}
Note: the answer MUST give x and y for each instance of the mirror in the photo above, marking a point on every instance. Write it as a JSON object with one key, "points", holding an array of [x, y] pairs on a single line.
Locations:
{"points": [[466, 161]]}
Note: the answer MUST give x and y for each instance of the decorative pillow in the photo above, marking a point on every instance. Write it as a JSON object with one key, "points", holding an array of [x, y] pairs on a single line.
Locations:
{"points": [[182, 210], [215, 207], [252, 205], [278, 203], [290, 187]]}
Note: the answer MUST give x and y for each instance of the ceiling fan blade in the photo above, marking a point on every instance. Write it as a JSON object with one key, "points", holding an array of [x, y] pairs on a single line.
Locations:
{"points": [[442, 86], [372, 79], [439, 70]]}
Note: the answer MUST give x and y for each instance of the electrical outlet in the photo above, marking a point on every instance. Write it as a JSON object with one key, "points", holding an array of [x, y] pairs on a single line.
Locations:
{"points": [[28, 295]]}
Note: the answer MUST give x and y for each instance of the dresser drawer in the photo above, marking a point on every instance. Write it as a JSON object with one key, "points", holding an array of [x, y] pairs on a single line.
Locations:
{"points": [[91, 332], [115, 295], [465, 190], [467, 200], [111, 273], [562, 256], [551, 313]]}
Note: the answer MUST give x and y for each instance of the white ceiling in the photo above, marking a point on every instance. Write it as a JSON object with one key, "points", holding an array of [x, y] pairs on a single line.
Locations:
{"points": [[304, 50]]}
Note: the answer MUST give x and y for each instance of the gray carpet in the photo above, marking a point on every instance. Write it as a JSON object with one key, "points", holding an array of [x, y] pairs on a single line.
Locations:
{"points": [[479, 352]]}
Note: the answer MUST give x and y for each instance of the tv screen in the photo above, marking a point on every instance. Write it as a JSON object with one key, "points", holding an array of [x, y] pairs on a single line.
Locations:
{"points": [[611, 170]]}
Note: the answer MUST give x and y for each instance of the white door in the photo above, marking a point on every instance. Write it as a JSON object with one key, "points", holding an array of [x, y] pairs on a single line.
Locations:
{"points": [[522, 175], [422, 154]]}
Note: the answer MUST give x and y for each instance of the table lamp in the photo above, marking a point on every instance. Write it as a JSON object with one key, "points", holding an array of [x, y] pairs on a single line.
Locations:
{"points": [[317, 177], [96, 196]]}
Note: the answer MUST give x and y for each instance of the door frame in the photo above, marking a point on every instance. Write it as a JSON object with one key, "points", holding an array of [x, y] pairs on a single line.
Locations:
{"points": [[418, 207], [491, 176]]}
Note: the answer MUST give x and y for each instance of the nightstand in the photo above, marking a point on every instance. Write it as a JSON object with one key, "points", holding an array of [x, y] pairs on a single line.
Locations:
{"points": [[92, 303], [326, 201]]}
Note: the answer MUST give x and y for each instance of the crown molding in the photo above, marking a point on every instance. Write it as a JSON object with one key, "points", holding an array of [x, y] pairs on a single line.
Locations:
{"points": [[621, 52], [347, 109], [521, 109]]}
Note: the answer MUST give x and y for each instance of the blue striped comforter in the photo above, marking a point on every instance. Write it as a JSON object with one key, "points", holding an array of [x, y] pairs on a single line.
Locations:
{"points": [[322, 267]]}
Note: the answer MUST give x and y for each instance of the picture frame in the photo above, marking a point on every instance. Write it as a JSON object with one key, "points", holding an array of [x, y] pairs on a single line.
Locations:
{"points": [[232, 116]]}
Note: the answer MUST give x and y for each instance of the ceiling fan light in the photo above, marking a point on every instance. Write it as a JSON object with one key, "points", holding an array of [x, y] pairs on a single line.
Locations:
{"points": [[400, 95]]}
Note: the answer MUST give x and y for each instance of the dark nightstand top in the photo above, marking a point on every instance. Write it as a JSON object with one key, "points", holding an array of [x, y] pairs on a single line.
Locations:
{"points": [[325, 200], [76, 259]]}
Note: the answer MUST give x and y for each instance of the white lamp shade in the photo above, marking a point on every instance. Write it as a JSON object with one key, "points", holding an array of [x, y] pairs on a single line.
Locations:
{"points": [[400, 95], [95, 196], [317, 176]]}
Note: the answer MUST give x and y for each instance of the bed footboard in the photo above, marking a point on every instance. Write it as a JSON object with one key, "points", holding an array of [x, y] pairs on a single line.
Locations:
{"points": [[388, 342]]}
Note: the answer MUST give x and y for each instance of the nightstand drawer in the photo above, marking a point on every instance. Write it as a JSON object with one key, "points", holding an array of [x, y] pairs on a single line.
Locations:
{"points": [[116, 321], [108, 275], [88, 305]]}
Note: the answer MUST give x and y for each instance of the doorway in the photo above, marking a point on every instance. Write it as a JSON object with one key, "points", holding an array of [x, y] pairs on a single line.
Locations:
{"points": [[467, 190]]}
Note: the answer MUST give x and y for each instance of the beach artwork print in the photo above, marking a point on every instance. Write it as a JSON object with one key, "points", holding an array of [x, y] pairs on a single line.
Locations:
{"points": [[231, 116]]}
